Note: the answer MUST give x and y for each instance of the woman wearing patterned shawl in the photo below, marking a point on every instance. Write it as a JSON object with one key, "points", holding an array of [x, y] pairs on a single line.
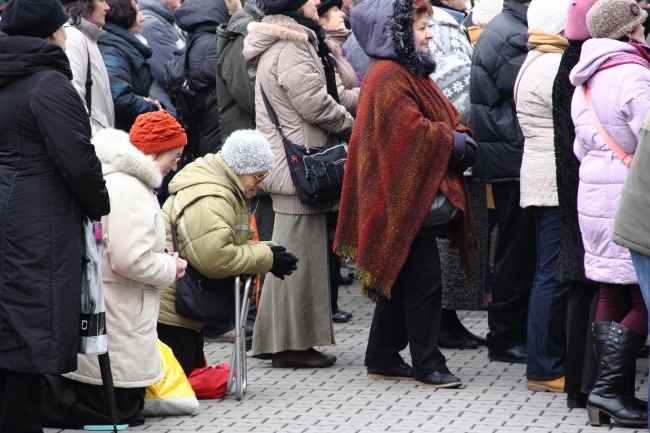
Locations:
{"points": [[408, 144]]}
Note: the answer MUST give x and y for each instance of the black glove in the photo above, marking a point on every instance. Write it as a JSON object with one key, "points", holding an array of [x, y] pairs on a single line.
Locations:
{"points": [[284, 263], [463, 153]]}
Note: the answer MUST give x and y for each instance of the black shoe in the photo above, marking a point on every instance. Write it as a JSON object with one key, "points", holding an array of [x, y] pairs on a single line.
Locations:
{"points": [[450, 340], [345, 281], [450, 320], [576, 400], [402, 372], [339, 317], [346, 314], [440, 379], [514, 355]]}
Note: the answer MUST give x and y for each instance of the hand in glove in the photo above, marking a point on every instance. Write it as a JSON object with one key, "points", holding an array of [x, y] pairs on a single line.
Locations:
{"points": [[284, 263], [463, 153]]}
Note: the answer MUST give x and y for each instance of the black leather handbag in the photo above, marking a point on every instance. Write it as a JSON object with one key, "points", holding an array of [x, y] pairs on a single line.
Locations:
{"points": [[316, 172], [201, 298], [441, 211]]}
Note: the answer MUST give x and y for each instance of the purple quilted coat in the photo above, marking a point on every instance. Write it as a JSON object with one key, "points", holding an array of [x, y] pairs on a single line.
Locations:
{"points": [[618, 79]]}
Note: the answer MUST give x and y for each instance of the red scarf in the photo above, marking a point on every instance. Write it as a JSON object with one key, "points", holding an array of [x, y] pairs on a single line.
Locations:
{"points": [[397, 161]]}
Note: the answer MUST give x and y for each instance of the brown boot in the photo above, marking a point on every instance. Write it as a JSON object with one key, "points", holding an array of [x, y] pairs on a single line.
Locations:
{"points": [[310, 358]]}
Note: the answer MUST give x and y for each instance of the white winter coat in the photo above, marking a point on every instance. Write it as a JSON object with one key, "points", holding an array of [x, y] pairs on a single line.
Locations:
{"points": [[135, 266], [533, 96]]}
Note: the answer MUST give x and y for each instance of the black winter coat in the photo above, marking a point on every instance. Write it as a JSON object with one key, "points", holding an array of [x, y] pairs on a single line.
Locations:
{"points": [[49, 178], [129, 73], [498, 56], [200, 18]]}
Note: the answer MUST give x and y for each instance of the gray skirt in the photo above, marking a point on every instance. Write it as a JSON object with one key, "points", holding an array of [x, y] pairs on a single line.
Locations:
{"points": [[295, 313], [455, 295]]}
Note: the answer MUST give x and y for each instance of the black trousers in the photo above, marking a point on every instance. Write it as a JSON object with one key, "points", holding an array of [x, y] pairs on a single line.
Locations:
{"points": [[20, 402], [514, 269], [581, 364], [412, 315], [187, 345]]}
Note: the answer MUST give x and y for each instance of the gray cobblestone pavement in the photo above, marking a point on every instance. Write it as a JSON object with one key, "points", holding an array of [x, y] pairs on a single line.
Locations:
{"points": [[340, 398]]}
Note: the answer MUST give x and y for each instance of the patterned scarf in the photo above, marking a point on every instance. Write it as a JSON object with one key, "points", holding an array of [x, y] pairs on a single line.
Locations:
{"points": [[397, 161]]}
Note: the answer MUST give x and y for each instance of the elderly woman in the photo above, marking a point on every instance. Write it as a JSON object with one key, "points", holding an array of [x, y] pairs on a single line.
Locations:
{"points": [[209, 207], [408, 146], [297, 74], [136, 267], [614, 68], [126, 56]]}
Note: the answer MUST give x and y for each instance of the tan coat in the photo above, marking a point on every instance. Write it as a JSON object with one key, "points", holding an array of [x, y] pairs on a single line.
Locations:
{"points": [[80, 45], [135, 267], [291, 73], [347, 82], [214, 232]]}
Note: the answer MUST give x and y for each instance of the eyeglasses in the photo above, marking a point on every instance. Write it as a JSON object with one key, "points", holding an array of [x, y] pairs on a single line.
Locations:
{"points": [[260, 177], [176, 158]]}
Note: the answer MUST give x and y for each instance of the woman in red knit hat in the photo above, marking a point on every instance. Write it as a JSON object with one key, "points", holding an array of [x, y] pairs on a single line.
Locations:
{"points": [[136, 267]]}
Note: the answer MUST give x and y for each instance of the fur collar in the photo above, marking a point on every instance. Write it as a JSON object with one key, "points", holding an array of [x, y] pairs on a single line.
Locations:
{"points": [[117, 154], [282, 27]]}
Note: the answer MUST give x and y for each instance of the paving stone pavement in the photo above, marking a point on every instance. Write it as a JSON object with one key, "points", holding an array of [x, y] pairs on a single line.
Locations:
{"points": [[340, 398]]}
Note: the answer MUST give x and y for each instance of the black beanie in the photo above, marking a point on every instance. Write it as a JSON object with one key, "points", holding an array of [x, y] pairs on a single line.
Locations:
{"points": [[275, 7], [326, 5], [36, 18]]}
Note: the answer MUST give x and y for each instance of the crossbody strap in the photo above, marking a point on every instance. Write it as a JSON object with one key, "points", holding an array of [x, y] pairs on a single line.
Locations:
{"points": [[89, 84], [620, 153], [270, 111]]}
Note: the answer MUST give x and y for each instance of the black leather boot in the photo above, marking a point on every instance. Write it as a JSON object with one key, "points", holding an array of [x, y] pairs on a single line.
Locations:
{"points": [[610, 397], [450, 319]]}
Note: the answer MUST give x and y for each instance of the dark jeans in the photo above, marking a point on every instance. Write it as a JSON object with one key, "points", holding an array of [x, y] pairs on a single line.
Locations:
{"points": [[514, 269], [20, 402], [642, 268], [546, 344], [412, 315]]}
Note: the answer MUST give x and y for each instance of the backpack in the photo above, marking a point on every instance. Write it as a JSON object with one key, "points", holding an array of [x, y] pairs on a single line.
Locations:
{"points": [[187, 100]]}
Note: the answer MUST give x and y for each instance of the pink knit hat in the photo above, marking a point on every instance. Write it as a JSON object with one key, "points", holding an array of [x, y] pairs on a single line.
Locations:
{"points": [[576, 23]]}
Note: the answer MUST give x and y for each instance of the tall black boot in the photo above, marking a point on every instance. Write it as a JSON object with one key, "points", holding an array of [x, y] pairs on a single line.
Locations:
{"points": [[610, 397], [599, 332]]}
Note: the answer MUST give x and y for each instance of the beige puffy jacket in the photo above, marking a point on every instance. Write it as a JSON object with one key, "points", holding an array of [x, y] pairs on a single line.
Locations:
{"points": [[534, 88], [291, 73]]}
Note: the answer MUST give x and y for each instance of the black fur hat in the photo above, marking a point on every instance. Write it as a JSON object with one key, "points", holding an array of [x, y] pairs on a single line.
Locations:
{"points": [[275, 7], [326, 5]]}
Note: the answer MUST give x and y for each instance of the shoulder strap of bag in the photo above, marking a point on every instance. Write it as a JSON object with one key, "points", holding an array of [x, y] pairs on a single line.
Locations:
{"points": [[270, 111], [89, 83], [620, 153], [521, 76]]}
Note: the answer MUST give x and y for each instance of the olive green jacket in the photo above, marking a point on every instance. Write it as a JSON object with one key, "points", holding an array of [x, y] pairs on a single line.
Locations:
{"points": [[214, 232]]}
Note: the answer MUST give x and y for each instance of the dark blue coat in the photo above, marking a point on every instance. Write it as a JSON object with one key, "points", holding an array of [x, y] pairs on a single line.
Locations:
{"points": [[49, 178], [128, 72], [498, 56]]}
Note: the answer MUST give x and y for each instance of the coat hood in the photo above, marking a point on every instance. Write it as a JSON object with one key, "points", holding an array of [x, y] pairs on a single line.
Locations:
{"points": [[273, 28], [126, 42], [384, 30], [22, 55], [156, 7], [196, 16], [87, 28], [117, 154], [238, 24], [210, 171], [594, 53]]}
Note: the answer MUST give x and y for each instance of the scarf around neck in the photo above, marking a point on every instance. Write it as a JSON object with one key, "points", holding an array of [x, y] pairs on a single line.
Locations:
{"points": [[546, 42], [323, 51]]}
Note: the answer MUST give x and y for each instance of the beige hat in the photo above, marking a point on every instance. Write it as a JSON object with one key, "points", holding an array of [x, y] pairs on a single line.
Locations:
{"points": [[613, 19]]}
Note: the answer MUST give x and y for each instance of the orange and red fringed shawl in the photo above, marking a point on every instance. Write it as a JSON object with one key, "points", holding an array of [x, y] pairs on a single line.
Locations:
{"points": [[397, 160]]}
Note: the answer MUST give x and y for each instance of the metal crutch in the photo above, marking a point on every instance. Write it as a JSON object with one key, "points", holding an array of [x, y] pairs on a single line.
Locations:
{"points": [[238, 361]]}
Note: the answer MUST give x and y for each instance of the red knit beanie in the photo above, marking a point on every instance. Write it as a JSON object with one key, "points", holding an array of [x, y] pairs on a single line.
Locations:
{"points": [[157, 132]]}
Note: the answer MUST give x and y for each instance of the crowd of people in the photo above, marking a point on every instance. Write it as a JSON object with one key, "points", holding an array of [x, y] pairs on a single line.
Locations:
{"points": [[459, 117]]}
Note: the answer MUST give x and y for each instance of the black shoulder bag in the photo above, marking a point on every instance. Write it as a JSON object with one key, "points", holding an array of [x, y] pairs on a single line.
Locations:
{"points": [[316, 172], [199, 297]]}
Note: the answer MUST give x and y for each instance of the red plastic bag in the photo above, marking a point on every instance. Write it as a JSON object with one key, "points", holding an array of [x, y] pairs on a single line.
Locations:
{"points": [[210, 382]]}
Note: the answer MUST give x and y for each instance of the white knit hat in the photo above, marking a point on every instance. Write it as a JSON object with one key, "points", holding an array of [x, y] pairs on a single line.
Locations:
{"points": [[485, 10], [548, 15], [247, 151]]}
